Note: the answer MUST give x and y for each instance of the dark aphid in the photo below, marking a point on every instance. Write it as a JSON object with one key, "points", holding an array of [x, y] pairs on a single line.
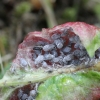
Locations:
{"points": [[40, 43], [54, 52], [97, 53], [37, 52], [66, 49], [76, 39], [77, 45], [48, 47], [68, 58], [81, 47], [77, 53], [55, 36], [66, 31], [20, 93], [50, 71], [83, 53], [37, 48], [48, 56], [24, 97], [59, 43], [75, 62]]}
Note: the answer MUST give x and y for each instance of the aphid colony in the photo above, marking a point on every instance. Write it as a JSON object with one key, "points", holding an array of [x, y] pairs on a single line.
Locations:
{"points": [[64, 49], [28, 92]]}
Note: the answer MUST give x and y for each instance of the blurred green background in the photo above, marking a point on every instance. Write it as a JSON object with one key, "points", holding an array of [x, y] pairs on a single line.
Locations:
{"points": [[19, 17]]}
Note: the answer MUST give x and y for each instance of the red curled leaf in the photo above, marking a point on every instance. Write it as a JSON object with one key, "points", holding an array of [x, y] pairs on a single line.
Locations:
{"points": [[89, 35]]}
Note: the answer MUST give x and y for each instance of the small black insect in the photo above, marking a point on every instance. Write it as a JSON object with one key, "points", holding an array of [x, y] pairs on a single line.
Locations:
{"points": [[50, 71], [37, 48]]}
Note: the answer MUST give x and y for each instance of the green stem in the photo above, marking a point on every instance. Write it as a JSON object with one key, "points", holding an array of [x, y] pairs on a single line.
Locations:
{"points": [[24, 78], [50, 16]]}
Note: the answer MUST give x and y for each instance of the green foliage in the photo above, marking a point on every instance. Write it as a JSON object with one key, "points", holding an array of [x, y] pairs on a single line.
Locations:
{"points": [[3, 44], [21, 8], [95, 44], [6, 92], [70, 14], [5, 69], [69, 86], [97, 10]]}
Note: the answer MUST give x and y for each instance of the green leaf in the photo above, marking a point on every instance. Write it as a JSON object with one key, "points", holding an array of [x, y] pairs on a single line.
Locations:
{"points": [[5, 92], [95, 44], [22, 8], [69, 86]]}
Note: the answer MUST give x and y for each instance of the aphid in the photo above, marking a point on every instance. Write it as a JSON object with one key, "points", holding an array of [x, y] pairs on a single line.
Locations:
{"points": [[23, 62], [77, 53], [37, 52], [82, 53], [59, 43], [64, 33], [74, 62], [33, 93], [37, 48], [77, 45], [61, 60], [66, 49], [87, 60], [55, 60], [71, 39], [20, 93], [49, 56], [48, 47], [39, 59], [81, 47], [24, 97], [44, 64], [68, 58], [54, 52], [55, 36], [76, 38], [50, 71]]}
